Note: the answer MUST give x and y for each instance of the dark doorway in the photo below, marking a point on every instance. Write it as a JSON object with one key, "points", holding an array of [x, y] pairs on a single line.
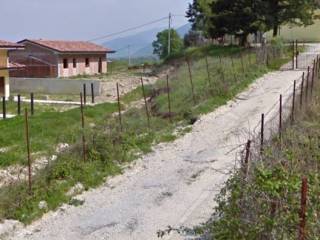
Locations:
{"points": [[2, 88]]}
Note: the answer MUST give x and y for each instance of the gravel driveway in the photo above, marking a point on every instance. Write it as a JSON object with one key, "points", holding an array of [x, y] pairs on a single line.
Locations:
{"points": [[176, 184]]}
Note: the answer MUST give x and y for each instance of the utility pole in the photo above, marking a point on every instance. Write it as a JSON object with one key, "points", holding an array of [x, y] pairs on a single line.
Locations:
{"points": [[129, 56], [169, 35]]}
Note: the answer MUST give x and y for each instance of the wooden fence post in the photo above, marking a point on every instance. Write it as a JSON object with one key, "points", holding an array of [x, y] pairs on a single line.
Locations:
{"points": [[191, 82], [208, 72], [303, 208], [28, 151], [245, 165], [145, 103], [169, 99], [119, 108], [83, 133]]}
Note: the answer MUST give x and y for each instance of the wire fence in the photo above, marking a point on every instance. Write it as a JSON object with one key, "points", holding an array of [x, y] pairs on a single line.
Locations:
{"points": [[266, 147]]}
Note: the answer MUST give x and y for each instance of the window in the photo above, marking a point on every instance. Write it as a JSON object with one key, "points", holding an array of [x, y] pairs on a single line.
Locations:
{"points": [[74, 63], [65, 63], [87, 62]]}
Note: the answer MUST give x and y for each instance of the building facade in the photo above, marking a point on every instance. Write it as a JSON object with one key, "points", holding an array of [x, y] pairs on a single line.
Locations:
{"points": [[5, 66], [45, 58]]}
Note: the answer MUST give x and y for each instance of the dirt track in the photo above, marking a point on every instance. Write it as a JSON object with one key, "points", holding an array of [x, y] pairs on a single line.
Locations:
{"points": [[176, 184]]}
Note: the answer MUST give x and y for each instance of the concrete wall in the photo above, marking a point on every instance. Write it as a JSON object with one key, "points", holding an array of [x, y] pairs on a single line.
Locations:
{"points": [[53, 86]]}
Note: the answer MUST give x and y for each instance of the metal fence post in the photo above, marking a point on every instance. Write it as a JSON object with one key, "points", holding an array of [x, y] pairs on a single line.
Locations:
{"points": [[19, 104], [28, 150], [85, 94], [82, 126], [4, 108], [92, 93], [303, 209], [301, 91], [119, 108], [262, 134], [32, 103], [145, 103], [293, 102], [280, 118]]}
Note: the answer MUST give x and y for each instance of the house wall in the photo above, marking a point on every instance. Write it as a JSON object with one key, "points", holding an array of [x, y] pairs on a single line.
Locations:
{"points": [[81, 68], [4, 73]]}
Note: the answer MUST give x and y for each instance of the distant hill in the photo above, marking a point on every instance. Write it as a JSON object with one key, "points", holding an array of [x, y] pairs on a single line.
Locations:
{"points": [[140, 43]]}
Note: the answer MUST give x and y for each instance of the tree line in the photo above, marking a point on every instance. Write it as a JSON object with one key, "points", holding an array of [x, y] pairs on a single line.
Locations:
{"points": [[216, 18]]}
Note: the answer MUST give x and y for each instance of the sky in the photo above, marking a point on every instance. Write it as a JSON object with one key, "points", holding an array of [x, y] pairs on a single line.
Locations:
{"points": [[83, 19]]}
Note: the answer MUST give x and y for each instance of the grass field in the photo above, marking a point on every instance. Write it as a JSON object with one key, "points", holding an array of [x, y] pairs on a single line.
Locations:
{"points": [[304, 34], [108, 147]]}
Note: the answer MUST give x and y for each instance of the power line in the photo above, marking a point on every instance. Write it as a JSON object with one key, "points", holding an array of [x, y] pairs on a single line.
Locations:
{"points": [[128, 29]]}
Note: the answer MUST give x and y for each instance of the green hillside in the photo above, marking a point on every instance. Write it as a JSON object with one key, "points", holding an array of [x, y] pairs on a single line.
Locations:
{"points": [[307, 34]]}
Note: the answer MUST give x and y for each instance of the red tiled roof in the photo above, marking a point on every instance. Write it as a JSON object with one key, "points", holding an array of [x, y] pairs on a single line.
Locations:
{"points": [[6, 44], [69, 46]]}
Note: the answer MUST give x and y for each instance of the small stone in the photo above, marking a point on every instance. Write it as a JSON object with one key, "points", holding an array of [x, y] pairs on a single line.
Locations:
{"points": [[75, 190], [54, 158], [43, 205], [62, 147]]}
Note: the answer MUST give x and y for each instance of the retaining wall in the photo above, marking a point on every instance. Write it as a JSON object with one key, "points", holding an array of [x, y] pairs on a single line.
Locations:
{"points": [[53, 86]]}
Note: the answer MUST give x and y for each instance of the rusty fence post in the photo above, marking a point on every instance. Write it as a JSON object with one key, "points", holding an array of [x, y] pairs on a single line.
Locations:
{"points": [[28, 150], [312, 78], [208, 72], [32, 103], [92, 93], [19, 104], [280, 118], [242, 63], [293, 102], [303, 209], [245, 165], [191, 81], [307, 84], [169, 99], [119, 108], [297, 53], [234, 70], [83, 130], [293, 54], [84, 94], [4, 108], [262, 134], [145, 103], [301, 91]]}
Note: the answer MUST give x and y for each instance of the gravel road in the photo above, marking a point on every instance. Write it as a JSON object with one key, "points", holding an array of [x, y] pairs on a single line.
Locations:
{"points": [[176, 184]]}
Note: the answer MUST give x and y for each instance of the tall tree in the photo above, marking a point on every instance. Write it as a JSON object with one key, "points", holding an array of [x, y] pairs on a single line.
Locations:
{"points": [[199, 13], [160, 46], [236, 17], [297, 12]]}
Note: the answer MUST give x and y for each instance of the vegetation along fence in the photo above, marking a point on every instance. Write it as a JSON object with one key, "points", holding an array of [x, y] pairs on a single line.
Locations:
{"points": [[119, 135]]}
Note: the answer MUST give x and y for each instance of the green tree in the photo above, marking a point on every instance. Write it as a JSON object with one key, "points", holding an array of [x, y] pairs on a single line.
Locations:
{"points": [[236, 17], [296, 12], [160, 46], [199, 13]]}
